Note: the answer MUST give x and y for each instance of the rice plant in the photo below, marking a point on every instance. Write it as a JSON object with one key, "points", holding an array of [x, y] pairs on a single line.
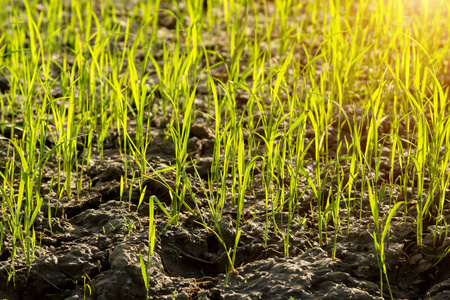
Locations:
{"points": [[279, 82]]}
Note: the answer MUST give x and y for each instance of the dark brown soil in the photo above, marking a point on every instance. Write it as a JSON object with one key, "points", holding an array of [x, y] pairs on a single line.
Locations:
{"points": [[92, 248]]}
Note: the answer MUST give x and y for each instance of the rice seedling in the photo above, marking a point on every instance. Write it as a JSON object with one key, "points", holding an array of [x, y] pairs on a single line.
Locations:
{"points": [[82, 73]]}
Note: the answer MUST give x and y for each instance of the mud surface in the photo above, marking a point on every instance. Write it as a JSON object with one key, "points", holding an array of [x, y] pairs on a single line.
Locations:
{"points": [[91, 244]]}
